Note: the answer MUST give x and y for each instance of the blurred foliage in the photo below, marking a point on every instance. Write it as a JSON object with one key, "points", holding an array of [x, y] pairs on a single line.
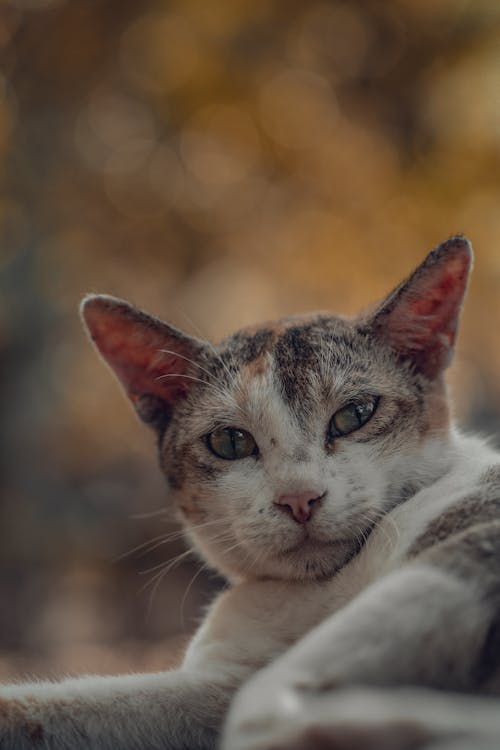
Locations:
{"points": [[216, 163]]}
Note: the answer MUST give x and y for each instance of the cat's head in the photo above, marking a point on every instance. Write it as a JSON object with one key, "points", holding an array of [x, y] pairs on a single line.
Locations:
{"points": [[284, 444]]}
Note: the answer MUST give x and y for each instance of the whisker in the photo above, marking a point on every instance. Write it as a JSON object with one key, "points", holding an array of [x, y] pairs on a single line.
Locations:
{"points": [[254, 559], [203, 566], [358, 535], [234, 546], [184, 375], [376, 518], [393, 525], [210, 346], [160, 566], [123, 555], [231, 376], [168, 537], [187, 359], [164, 568], [148, 514], [167, 540], [213, 386], [181, 534], [213, 522]]}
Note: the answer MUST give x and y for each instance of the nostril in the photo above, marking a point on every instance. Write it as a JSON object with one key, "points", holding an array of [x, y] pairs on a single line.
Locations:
{"points": [[300, 504], [314, 500]]}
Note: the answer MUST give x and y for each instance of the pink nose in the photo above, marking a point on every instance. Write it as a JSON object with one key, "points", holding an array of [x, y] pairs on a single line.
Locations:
{"points": [[300, 505]]}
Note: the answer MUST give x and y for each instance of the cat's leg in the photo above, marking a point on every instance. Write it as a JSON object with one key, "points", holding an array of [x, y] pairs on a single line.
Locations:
{"points": [[381, 719], [168, 711], [432, 623], [176, 710], [179, 710]]}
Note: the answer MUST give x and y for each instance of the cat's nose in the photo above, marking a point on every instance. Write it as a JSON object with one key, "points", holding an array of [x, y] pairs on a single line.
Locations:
{"points": [[300, 504]]}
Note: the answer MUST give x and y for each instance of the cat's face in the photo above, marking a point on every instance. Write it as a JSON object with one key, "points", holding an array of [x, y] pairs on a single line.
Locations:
{"points": [[285, 444], [303, 496]]}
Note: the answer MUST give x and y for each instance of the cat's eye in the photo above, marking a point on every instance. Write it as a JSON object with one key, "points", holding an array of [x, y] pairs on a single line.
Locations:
{"points": [[352, 416], [232, 443]]}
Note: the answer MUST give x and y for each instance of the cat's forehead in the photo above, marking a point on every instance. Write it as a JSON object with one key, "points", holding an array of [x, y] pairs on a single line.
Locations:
{"points": [[303, 362], [295, 355], [292, 340]]}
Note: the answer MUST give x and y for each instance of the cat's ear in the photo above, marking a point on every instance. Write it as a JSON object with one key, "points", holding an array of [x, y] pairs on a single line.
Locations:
{"points": [[153, 361], [419, 319]]}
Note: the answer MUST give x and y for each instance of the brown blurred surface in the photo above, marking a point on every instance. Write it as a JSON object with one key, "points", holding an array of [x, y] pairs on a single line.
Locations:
{"points": [[216, 163]]}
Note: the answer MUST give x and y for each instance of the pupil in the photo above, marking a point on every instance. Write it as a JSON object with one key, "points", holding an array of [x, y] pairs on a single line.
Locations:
{"points": [[238, 442], [352, 415]]}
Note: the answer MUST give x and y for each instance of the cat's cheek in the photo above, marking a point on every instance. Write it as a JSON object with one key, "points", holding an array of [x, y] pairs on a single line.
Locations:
{"points": [[192, 509], [355, 482]]}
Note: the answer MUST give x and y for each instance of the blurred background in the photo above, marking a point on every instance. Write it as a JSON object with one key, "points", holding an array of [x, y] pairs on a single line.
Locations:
{"points": [[217, 163]]}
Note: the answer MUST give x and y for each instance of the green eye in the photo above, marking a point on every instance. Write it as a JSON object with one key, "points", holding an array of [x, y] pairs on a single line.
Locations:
{"points": [[232, 443], [352, 416]]}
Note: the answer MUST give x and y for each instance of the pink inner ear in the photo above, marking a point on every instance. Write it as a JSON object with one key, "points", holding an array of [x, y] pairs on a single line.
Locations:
{"points": [[133, 345], [435, 297], [435, 302], [421, 316]]}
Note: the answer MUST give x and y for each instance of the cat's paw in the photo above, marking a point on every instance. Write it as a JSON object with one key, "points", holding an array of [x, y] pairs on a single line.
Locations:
{"points": [[265, 708], [305, 719]]}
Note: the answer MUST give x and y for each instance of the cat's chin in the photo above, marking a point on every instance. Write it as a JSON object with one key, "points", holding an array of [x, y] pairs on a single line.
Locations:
{"points": [[314, 558], [307, 556], [307, 560]]}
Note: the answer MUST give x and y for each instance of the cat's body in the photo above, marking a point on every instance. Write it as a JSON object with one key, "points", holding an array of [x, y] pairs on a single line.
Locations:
{"points": [[313, 462]]}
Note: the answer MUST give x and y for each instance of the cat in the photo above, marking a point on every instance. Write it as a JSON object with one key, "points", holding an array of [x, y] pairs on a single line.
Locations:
{"points": [[313, 461]]}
